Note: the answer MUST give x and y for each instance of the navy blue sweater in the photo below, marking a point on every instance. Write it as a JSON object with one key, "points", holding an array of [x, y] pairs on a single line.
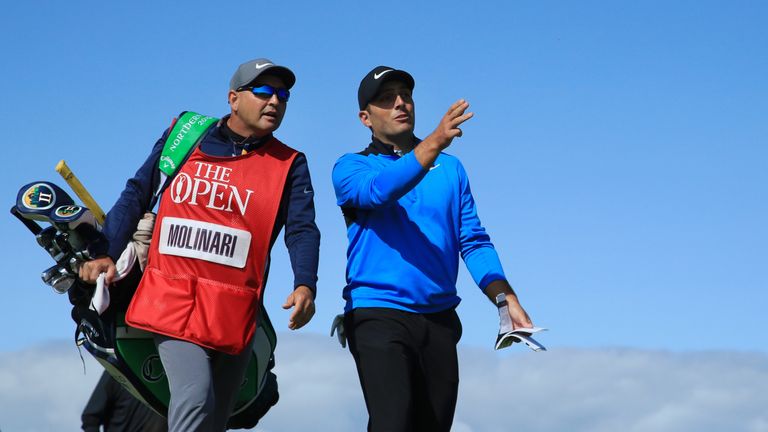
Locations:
{"points": [[296, 213]]}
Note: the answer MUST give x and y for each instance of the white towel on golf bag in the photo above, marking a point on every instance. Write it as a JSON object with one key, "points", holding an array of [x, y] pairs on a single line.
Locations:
{"points": [[137, 249]]}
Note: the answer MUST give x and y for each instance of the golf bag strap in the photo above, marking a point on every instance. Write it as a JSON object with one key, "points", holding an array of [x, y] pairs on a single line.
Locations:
{"points": [[185, 135]]}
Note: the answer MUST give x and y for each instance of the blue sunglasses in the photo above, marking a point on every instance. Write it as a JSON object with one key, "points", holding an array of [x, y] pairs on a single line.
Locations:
{"points": [[266, 92]]}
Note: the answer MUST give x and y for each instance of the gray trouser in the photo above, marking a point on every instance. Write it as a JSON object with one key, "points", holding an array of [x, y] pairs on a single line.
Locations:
{"points": [[204, 384]]}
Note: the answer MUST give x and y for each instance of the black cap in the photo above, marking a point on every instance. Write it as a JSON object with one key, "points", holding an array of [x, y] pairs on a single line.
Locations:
{"points": [[372, 82], [249, 71]]}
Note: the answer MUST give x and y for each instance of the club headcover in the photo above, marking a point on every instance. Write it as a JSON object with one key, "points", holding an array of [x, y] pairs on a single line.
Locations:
{"points": [[36, 200], [68, 217]]}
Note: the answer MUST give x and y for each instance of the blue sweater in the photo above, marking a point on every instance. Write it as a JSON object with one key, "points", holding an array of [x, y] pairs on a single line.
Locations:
{"points": [[296, 213], [407, 228]]}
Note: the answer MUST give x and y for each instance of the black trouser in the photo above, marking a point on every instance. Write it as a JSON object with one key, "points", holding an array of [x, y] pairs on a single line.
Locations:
{"points": [[407, 366]]}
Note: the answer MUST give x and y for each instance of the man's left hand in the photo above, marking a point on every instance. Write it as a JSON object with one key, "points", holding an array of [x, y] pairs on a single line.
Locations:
{"points": [[303, 302], [518, 315]]}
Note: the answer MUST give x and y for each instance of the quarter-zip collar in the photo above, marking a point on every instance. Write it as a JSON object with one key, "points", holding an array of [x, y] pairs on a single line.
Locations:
{"points": [[376, 147]]}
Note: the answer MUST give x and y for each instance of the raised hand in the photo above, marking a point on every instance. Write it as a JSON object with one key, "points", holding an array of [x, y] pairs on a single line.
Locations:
{"points": [[448, 129]]}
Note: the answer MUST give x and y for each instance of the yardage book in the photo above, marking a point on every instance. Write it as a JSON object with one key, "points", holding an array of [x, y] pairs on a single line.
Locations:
{"points": [[509, 335]]}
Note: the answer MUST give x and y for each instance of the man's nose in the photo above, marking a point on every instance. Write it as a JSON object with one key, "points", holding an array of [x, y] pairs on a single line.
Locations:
{"points": [[399, 101]]}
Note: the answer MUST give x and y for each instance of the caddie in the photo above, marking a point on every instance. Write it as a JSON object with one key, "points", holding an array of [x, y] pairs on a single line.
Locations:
{"points": [[209, 258]]}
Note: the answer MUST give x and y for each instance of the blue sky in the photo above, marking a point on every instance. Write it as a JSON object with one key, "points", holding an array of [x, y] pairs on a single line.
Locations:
{"points": [[617, 155]]}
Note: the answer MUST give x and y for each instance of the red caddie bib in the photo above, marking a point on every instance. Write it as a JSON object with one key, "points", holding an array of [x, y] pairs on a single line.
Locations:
{"points": [[205, 275]]}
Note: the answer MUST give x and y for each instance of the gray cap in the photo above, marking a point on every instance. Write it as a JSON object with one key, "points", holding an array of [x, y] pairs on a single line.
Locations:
{"points": [[249, 71]]}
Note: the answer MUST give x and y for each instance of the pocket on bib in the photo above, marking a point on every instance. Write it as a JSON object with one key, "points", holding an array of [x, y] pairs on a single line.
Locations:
{"points": [[224, 317], [162, 303]]}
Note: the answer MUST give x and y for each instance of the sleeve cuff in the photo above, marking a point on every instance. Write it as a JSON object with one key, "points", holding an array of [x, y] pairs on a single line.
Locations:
{"points": [[312, 286], [489, 279], [413, 166]]}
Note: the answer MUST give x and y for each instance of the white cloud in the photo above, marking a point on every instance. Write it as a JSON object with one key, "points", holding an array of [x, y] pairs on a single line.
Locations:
{"points": [[610, 390], [44, 389]]}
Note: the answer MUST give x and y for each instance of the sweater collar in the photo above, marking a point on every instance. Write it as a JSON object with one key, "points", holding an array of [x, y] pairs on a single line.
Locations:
{"points": [[240, 142], [376, 147]]}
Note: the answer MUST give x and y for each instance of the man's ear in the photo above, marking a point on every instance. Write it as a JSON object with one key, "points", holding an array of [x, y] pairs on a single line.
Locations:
{"points": [[232, 98], [365, 118]]}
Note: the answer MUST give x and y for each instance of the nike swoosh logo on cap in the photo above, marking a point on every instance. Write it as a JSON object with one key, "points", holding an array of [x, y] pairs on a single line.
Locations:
{"points": [[378, 75], [262, 65]]}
